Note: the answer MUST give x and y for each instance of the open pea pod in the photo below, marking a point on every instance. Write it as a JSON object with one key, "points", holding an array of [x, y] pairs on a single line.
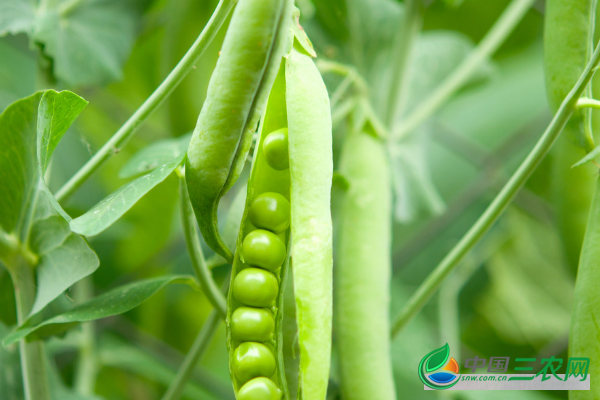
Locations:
{"points": [[287, 215], [237, 93], [255, 301]]}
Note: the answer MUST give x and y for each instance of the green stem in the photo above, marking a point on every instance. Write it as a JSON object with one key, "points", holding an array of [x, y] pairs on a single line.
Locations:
{"points": [[500, 203], [207, 283], [515, 11], [403, 44], [151, 104], [191, 359], [33, 358], [87, 365]]}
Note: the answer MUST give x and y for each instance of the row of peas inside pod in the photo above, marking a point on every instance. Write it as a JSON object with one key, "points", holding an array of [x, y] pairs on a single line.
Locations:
{"points": [[259, 276]]}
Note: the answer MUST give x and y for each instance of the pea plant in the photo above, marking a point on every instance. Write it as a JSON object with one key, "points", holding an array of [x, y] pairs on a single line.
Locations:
{"points": [[317, 229]]}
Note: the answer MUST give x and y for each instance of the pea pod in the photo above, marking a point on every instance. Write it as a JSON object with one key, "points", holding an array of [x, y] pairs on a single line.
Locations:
{"points": [[287, 212], [568, 35], [264, 180], [237, 93], [311, 170], [584, 340], [362, 272]]}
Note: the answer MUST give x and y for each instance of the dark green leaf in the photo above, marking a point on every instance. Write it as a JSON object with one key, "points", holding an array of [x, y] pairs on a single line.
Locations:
{"points": [[114, 302], [109, 210]]}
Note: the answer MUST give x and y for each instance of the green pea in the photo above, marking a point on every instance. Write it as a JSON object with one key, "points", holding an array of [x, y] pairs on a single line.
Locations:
{"points": [[263, 249], [275, 147], [259, 389], [252, 324], [255, 287], [251, 360], [270, 211]]}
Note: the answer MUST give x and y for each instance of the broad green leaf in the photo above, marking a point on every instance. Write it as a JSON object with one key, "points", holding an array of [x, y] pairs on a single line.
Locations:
{"points": [[30, 212], [113, 302], [436, 55], [438, 358], [16, 16], [155, 155], [56, 114], [109, 210], [415, 192], [20, 176], [17, 72], [530, 293], [88, 41]]}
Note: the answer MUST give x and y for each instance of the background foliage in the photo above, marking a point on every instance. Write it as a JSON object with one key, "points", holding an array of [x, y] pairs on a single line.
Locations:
{"points": [[512, 296]]}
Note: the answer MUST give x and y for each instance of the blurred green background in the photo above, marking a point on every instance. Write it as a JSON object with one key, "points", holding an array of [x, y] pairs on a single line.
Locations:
{"points": [[510, 297]]}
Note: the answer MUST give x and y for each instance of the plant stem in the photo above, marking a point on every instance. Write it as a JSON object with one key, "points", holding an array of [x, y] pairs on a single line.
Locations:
{"points": [[501, 202], [403, 44], [151, 104], [489, 44], [33, 358], [87, 365], [203, 274], [191, 359]]}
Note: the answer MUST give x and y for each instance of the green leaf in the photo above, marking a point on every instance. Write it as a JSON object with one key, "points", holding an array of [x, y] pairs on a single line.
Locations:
{"points": [[16, 16], [155, 155], [109, 210], [438, 358], [588, 157], [56, 114], [415, 192], [113, 302], [30, 215], [88, 41]]}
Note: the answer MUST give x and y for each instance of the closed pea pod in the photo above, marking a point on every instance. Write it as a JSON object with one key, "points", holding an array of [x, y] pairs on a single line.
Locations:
{"points": [[362, 272], [311, 171], [584, 338], [236, 96], [568, 34], [568, 41]]}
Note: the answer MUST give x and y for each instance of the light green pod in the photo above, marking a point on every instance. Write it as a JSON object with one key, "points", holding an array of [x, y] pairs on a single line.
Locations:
{"points": [[362, 272], [584, 339], [236, 96], [568, 39], [311, 170]]}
